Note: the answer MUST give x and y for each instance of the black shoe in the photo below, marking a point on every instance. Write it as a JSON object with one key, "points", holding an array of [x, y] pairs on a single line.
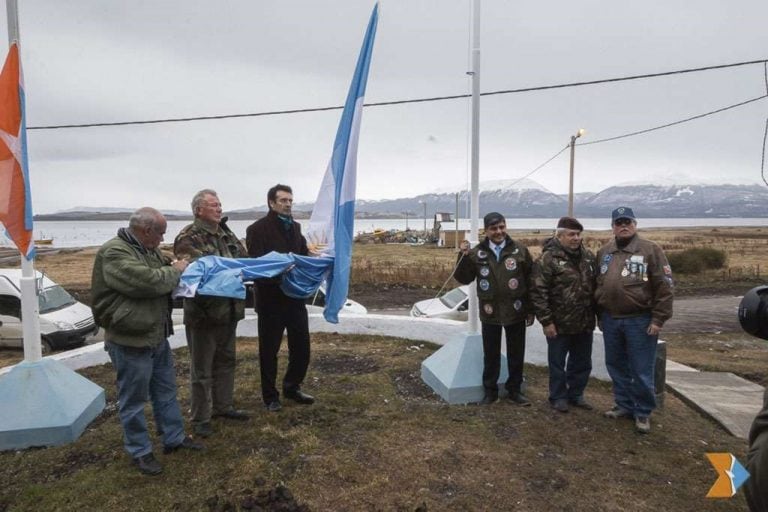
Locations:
{"points": [[581, 404], [186, 444], [203, 430], [560, 405], [232, 414], [488, 399], [299, 397], [148, 464], [273, 406], [519, 399]]}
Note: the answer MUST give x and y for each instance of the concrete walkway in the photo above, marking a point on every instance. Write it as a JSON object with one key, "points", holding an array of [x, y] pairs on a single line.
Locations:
{"points": [[726, 398]]}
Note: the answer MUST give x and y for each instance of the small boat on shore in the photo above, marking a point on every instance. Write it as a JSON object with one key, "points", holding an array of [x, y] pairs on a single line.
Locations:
{"points": [[44, 241]]}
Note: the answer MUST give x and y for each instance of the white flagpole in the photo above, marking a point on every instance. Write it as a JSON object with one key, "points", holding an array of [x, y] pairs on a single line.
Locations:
{"points": [[30, 308], [474, 209]]}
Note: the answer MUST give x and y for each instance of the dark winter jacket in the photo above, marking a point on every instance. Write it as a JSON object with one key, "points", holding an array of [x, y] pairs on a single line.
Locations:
{"points": [[502, 285], [194, 241], [756, 488], [634, 280], [130, 292], [269, 234], [563, 288]]}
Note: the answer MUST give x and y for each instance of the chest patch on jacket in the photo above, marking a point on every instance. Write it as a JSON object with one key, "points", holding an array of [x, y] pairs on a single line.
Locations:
{"points": [[510, 264], [513, 284]]}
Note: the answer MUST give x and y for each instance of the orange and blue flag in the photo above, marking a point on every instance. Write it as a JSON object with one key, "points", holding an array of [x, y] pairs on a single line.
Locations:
{"points": [[15, 197], [730, 475]]}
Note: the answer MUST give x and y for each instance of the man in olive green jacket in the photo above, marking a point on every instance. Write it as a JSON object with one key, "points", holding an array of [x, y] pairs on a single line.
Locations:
{"points": [[130, 288], [502, 269], [563, 284], [211, 322]]}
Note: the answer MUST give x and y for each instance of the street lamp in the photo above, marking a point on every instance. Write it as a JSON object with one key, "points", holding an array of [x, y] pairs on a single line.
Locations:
{"points": [[570, 184], [425, 217]]}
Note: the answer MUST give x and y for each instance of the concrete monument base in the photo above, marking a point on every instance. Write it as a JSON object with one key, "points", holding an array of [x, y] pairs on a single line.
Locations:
{"points": [[45, 404], [455, 372]]}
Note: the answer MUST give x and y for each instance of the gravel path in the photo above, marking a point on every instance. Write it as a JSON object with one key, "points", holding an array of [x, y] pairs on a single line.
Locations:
{"points": [[705, 314]]}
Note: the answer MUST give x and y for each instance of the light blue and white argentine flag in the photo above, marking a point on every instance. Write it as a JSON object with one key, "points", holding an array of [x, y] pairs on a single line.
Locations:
{"points": [[333, 216]]}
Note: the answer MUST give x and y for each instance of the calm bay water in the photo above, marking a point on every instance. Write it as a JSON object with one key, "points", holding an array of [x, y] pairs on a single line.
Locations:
{"points": [[93, 233]]}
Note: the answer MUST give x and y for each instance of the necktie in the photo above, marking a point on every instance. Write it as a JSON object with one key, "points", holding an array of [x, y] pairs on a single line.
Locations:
{"points": [[497, 250]]}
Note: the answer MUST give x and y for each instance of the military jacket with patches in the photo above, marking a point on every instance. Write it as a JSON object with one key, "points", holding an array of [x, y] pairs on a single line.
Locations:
{"points": [[634, 280], [563, 288], [502, 285], [197, 240]]}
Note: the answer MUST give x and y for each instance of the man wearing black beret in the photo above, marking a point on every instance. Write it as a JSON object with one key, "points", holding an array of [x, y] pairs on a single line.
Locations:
{"points": [[562, 294]]}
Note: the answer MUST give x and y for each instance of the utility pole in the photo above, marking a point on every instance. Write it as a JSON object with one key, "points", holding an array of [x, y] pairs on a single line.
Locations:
{"points": [[570, 182]]}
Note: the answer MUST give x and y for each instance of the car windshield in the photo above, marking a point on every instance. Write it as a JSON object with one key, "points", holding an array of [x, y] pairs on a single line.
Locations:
{"points": [[54, 298], [453, 298]]}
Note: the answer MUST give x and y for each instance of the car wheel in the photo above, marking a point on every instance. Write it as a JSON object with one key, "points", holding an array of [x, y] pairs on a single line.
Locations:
{"points": [[45, 345]]}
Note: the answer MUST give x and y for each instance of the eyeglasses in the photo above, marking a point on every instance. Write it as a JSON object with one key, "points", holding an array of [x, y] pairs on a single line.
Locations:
{"points": [[622, 222]]}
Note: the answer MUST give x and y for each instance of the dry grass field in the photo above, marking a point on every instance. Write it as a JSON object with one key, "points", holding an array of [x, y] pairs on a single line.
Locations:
{"points": [[405, 266], [400, 265]]}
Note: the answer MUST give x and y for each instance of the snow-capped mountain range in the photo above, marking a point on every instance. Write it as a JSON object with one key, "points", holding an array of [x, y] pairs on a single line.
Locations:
{"points": [[526, 198], [529, 199]]}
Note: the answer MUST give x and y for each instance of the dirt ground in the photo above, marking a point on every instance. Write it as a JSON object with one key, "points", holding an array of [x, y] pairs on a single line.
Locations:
{"points": [[379, 439]]}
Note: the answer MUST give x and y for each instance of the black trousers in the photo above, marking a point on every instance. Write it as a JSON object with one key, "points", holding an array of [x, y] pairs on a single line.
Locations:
{"points": [[492, 356], [279, 313]]}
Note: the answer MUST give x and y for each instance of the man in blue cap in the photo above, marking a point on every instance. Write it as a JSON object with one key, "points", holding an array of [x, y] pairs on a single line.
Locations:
{"points": [[634, 299]]}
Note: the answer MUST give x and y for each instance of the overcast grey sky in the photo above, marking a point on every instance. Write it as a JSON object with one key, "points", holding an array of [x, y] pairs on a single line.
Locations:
{"points": [[91, 61]]}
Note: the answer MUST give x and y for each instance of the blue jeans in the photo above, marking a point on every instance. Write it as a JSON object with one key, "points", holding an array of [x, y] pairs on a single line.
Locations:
{"points": [[568, 380], [630, 356], [142, 374]]}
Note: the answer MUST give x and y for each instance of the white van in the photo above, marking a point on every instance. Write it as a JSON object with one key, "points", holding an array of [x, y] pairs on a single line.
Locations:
{"points": [[64, 322]]}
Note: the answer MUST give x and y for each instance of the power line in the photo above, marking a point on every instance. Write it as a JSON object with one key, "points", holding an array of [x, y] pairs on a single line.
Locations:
{"points": [[699, 116], [402, 102], [540, 166], [675, 122]]}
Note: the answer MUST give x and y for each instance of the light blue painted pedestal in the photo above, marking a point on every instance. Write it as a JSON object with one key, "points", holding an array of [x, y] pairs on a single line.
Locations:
{"points": [[45, 404]]}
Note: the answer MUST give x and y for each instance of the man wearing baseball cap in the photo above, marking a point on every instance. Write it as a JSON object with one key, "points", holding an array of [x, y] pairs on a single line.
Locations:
{"points": [[502, 269], [634, 299]]}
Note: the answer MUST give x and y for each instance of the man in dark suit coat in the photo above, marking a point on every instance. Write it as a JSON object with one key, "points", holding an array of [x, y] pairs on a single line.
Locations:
{"points": [[278, 312]]}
